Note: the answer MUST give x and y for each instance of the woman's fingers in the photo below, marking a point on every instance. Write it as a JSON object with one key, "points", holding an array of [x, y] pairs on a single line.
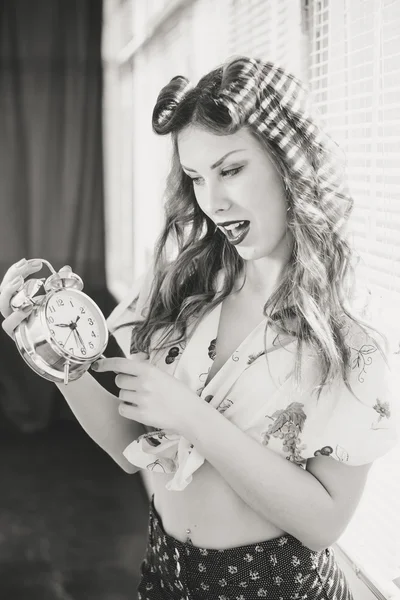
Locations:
{"points": [[13, 272], [129, 411], [11, 322], [128, 382], [128, 397], [13, 280], [7, 292], [141, 355], [129, 366]]}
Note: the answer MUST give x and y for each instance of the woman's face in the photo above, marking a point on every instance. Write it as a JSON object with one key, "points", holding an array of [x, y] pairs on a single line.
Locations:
{"points": [[238, 187]]}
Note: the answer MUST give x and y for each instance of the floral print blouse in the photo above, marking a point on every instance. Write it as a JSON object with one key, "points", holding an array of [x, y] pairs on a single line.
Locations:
{"points": [[263, 400]]}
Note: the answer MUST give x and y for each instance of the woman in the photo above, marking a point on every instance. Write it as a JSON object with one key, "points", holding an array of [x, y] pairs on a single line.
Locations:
{"points": [[265, 395]]}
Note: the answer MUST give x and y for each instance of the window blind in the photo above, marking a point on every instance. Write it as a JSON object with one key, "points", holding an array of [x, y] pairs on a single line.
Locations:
{"points": [[354, 73], [269, 30], [354, 77]]}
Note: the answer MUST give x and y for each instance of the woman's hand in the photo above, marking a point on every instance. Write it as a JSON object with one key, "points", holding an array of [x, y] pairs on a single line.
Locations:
{"points": [[12, 282], [148, 394]]}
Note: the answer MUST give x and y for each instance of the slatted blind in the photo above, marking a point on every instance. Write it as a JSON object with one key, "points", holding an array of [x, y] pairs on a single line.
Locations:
{"points": [[354, 73], [269, 30], [354, 76]]}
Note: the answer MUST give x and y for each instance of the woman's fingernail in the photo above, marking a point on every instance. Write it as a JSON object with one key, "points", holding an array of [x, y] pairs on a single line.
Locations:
{"points": [[35, 263], [94, 366]]}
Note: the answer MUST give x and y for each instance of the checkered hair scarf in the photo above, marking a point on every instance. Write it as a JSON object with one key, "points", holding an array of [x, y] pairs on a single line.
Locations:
{"points": [[275, 103]]}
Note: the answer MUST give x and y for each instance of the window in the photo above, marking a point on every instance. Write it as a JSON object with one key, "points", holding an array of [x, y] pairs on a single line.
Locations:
{"points": [[354, 74]]}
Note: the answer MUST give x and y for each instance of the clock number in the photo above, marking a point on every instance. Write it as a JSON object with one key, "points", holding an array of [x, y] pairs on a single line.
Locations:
{"points": [[60, 302], [52, 309], [60, 344], [83, 351], [71, 303], [83, 311], [71, 350], [93, 334], [91, 345], [52, 332], [90, 321], [51, 320]]}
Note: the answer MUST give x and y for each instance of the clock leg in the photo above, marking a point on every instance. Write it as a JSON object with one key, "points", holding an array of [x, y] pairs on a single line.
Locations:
{"points": [[66, 373]]}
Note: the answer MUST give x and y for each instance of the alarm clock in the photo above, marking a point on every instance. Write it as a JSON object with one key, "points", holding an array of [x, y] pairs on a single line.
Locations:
{"points": [[64, 332]]}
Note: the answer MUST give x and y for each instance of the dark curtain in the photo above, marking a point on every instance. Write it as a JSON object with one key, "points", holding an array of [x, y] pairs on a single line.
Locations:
{"points": [[51, 176]]}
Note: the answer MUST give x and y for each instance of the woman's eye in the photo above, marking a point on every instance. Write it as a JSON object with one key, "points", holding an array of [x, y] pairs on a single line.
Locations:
{"points": [[226, 173], [231, 172]]}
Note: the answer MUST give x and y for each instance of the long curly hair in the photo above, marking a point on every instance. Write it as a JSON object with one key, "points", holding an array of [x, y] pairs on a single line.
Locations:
{"points": [[314, 297]]}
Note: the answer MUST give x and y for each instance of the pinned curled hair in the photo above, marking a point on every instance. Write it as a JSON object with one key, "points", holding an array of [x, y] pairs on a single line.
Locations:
{"points": [[167, 102], [314, 298]]}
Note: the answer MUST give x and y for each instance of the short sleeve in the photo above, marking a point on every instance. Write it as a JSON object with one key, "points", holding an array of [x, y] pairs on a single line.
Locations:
{"points": [[130, 309], [359, 430]]}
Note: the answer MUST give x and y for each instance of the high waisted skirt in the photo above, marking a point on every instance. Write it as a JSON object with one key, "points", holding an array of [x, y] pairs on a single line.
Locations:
{"points": [[277, 569]]}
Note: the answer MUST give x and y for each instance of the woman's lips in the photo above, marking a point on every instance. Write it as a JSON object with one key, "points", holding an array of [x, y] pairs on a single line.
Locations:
{"points": [[237, 240], [239, 237]]}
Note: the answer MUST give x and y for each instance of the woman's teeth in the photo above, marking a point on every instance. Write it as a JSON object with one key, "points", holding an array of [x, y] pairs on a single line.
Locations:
{"points": [[234, 227], [236, 232]]}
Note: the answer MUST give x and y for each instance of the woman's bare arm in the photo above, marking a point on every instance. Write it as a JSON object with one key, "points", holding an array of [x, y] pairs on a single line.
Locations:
{"points": [[315, 505], [97, 411]]}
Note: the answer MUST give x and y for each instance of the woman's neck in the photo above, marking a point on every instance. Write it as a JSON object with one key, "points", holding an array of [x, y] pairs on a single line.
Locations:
{"points": [[260, 278]]}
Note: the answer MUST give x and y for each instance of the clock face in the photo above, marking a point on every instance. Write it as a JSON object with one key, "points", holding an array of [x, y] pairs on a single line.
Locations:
{"points": [[75, 324]]}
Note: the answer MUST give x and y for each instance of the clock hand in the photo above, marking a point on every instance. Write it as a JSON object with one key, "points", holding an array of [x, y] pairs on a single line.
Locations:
{"points": [[68, 336], [80, 339], [61, 325]]}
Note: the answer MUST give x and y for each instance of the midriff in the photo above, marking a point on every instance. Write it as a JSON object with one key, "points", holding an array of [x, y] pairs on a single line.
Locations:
{"points": [[213, 512]]}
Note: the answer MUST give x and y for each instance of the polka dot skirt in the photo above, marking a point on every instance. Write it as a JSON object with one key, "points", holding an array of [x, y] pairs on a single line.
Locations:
{"points": [[278, 569]]}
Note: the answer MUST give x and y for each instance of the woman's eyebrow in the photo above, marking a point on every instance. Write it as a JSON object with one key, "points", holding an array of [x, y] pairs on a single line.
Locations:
{"points": [[218, 163]]}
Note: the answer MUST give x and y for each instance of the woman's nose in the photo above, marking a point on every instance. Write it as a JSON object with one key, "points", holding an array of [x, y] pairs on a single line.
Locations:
{"points": [[217, 200]]}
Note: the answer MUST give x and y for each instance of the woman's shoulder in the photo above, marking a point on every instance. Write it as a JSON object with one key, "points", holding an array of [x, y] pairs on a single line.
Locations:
{"points": [[369, 360], [363, 415]]}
